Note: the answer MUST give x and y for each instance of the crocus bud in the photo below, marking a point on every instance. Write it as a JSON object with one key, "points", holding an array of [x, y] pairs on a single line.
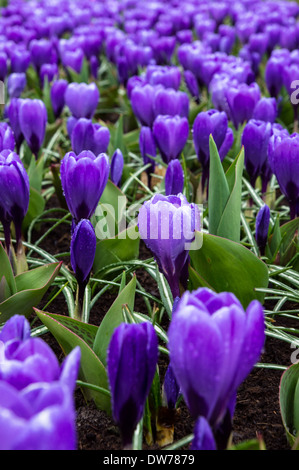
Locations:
{"points": [[171, 134], [203, 436], [41, 52], [174, 178], [208, 374], [147, 147], [262, 227], [274, 75], [33, 122], [192, 84], [14, 190], [171, 102], [131, 364], [73, 59], [255, 139], [83, 179], [284, 162], [82, 99], [242, 100], [16, 84], [49, 72], [167, 225], [19, 60], [57, 93], [83, 248], [117, 165], [171, 390], [7, 140], [89, 136], [266, 110], [12, 112], [142, 100], [208, 123]]}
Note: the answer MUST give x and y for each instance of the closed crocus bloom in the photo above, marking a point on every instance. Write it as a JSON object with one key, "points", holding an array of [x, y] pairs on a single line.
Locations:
{"points": [[242, 100], [171, 390], [33, 122], [203, 436], [16, 84], [57, 93], [208, 374], [170, 102], [192, 84], [284, 162], [168, 76], [14, 190], [86, 135], [227, 143], [274, 75], [19, 60], [117, 165], [167, 225], [174, 178], [171, 134], [131, 364], [83, 179], [255, 139], [142, 100], [82, 99], [3, 66], [41, 52], [37, 409], [12, 112], [48, 72], [208, 123], [7, 140], [147, 147], [262, 227], [83, 248], [266, 110], [73, 59]]}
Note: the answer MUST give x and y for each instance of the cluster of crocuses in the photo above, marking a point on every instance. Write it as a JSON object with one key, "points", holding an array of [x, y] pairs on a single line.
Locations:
{"points": [[37, 409]]}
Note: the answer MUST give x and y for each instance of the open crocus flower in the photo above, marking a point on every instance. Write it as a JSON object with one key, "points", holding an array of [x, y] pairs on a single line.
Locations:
{"points": [[83, 179], [36, 394], [131, 365], [167, 225], [214, 343]]}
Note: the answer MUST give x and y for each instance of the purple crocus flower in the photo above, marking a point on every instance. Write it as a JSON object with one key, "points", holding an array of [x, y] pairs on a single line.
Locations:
{"points": [[147, 147], [192, 85], [7, 139], [208, 123], [82, 99], [255, 139], [87, 135], [131, 364], [57, 93], [49, 72], [14, 190], [171, 134], [83, 179], [19, 60], [171, 390], [16, 84], [41, 52], [262, 227], [168, 76], [116, 168], [284, 162], [37, 409], [142, 101], [171, 102], [12, 112], [73, 59], [208, 374], [274, 75], [266, 110], [203, 436], [242, 100], [3, 65], [33, 122], [174, 178], [83, 248], [167, 225]]}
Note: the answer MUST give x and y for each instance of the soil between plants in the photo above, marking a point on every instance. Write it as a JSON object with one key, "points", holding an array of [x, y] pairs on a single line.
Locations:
{"points": [[257, 410]]}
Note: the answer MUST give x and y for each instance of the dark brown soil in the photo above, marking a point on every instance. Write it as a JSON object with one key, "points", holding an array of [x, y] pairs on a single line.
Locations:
{"points": [[257, 410]]}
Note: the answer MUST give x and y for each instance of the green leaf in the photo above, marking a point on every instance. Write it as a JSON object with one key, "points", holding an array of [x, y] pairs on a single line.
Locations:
{"points": [[228, 266], [36, 207], [289, 240], [70, 333], [113, 318], [225, 190], [6, 271], [26, 297], [289, 402]]}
